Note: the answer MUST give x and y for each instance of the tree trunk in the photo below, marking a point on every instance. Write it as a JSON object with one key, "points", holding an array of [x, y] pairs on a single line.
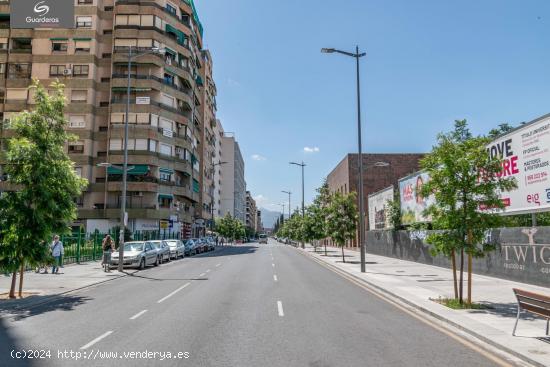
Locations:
{"points": [[325, 247], [13, 282], [460, 286], [469, 279], [453, 262], [21, 279], [471, 244], [343, 256]]}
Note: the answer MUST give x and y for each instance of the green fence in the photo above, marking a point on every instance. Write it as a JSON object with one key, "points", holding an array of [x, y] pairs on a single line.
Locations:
{"points": [[81, 247]]}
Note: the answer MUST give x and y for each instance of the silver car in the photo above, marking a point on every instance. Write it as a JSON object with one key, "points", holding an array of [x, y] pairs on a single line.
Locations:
{"points": [[177, 248], [137, 254], [163, 250]]}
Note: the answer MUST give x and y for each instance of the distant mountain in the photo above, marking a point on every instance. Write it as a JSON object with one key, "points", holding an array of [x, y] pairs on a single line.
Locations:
{"points": [[269, 217]]}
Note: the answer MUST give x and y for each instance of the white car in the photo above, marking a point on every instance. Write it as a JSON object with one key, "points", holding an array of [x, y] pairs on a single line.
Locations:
{"points": [[177, 248], [262, 239]]}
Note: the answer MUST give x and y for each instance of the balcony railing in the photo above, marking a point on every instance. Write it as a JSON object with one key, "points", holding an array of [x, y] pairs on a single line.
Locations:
{"points": [[176, 110], [153, 77]]}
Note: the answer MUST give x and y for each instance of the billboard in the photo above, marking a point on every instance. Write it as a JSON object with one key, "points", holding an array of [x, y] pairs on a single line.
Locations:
{"points": [[526, 156], [412, 202], [42, 14], [378, 209]]}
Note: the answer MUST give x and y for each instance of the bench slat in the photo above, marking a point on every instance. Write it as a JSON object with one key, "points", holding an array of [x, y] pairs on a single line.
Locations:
{"points": [[526, 300], [544, 312], [532, 295]]}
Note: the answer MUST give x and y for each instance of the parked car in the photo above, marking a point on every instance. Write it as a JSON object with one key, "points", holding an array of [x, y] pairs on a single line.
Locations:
{"points": [[211, 243], [137, 254], [190, 247], [262, 239], [163, 250], [177, 248], [202, 245]]}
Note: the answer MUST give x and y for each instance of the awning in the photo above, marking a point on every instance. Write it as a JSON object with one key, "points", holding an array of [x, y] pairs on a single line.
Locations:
{"points": [[166, 196], [166, 170], [199, 80], [179, 34], [196, 186], [186, 174], [138, 169], [168, 51], [59, 39], [82, 39]]}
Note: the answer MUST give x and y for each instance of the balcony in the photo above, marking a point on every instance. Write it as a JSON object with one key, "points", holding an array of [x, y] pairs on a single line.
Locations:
{"points": [[176, 110], [155, 78]]}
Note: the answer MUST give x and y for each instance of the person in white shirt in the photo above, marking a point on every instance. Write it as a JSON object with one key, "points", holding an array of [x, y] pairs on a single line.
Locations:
{"points": [[57, 252]]}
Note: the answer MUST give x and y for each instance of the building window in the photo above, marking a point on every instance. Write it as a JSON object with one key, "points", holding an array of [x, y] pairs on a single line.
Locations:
{"points": [[77, 121], [85, 2], [82, 47], [76, 147], [81, 70], [19, 71], [79, 96], [171, 9], [57, 70], [59, 46], [84, 22], [165, 177]]}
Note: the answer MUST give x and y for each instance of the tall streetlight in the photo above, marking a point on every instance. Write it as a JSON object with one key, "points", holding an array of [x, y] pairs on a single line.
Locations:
{"points": [[289, 193], [357, 56], [283, 205], [132, 54], [212, 196], [303, 206]]}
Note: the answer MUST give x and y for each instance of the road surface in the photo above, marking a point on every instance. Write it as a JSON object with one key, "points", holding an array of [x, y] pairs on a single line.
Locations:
{"points": [[250, 305]]}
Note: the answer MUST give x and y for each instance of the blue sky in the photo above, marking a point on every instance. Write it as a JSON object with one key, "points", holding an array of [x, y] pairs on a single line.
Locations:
{"points": [[428, 63]]}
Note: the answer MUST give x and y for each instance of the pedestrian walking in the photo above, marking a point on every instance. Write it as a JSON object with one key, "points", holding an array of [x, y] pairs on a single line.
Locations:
{"points": [[108, 246], [57, 252], [222, 240]]}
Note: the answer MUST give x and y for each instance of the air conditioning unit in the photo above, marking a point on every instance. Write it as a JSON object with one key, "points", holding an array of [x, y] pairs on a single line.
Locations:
{"points": [[67, 72]]}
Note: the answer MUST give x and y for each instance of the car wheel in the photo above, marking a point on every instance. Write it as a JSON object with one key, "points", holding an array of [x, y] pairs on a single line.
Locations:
{"points": [[142, 264], [157, 261]]}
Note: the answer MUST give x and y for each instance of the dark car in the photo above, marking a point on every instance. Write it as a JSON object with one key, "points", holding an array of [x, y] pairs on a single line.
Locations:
{"points": [[190, 247]]}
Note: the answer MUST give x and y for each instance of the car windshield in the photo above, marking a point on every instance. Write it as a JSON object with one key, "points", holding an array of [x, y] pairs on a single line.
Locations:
{"points": [[262, 236], [172, 243], [156, 244], [133, 246]]}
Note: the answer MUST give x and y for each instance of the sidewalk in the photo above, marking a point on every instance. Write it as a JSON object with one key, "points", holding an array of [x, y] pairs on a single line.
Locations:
{"points": [[46, 286], [415, 283]]}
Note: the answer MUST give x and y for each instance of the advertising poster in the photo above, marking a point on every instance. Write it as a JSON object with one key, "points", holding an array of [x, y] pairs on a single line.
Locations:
{"points": [[526, 156], [378, 209], [412, 202]]}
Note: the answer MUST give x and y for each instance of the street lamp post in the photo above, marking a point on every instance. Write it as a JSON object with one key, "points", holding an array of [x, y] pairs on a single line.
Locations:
{"points": [[303, 207], [357, 56], [123, 218], [289, 193]]}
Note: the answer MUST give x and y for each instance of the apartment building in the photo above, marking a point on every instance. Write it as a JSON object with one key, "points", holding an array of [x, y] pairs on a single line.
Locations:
{"points": [[233, 186], [220, 160], [172, 100], [251, 212]]}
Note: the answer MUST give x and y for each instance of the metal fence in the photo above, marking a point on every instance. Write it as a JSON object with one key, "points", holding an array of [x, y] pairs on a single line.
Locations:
{"points": [[81, 246]]}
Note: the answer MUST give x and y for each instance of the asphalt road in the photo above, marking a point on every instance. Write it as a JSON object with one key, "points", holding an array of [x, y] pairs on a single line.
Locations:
{"points": [[256, 305]]}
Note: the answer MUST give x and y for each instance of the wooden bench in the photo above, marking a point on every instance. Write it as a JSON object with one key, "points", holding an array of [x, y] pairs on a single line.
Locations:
{"points": [[534, 303]]}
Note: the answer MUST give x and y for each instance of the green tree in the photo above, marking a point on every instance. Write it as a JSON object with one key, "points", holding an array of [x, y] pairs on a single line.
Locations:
{"points": [[225, 227], [45, 181], [394, 211], [341, 220], [463, 179], [500, 130]]}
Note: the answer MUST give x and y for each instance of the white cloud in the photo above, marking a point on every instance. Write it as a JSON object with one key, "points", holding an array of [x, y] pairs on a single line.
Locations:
{"points": [[233, 82], [261, 200], [311, 149], [258, 157]]}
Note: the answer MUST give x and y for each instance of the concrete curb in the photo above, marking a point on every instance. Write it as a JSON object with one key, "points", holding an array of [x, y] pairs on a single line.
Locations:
{"points": [[397, 297]]}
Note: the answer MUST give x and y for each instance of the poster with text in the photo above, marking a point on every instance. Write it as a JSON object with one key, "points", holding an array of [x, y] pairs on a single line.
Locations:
{"points": [[412, 202], [526, 156], [378, 209]]}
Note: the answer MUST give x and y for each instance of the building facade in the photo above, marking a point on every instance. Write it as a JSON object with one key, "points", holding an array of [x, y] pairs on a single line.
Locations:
{"points": [[233, 186], [251, 212], [171, 106], [379, 172], [218, 133]]}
